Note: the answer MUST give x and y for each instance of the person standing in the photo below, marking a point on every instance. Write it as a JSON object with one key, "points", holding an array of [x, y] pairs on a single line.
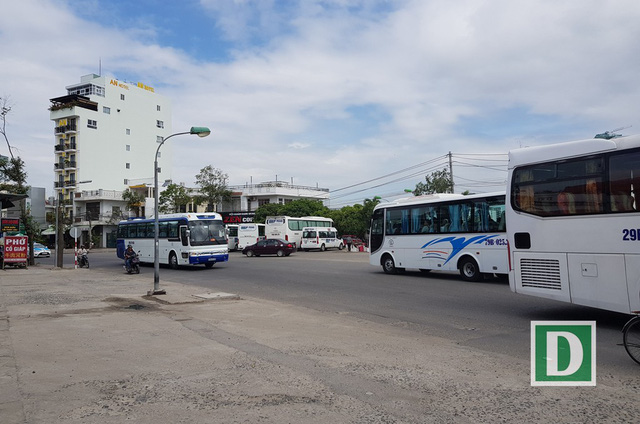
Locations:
{"points": [[348, 241]]}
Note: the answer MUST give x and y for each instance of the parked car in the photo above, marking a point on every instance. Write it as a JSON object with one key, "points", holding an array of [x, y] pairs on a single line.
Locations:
{"points": [[40, 250], [270, 247]]}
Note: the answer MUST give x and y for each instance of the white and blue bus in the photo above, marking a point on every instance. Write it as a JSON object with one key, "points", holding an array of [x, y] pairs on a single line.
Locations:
{"points": [[444, 232], [185, 239]]}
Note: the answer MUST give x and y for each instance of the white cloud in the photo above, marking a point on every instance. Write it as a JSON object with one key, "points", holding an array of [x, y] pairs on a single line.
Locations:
{"points": [[432, 70]]}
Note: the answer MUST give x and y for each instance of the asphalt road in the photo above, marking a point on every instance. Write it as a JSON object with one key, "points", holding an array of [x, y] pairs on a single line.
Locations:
{"points": [[484, 315]]}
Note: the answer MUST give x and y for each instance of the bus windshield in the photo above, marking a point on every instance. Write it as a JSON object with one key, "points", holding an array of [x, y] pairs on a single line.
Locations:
{"points": [[206, 232]]}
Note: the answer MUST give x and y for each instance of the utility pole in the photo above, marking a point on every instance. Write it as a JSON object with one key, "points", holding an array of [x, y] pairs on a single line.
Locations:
{"points": [[451, 172]]}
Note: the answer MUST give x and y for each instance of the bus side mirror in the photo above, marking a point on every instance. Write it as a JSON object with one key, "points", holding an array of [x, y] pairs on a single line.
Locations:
{"points": [[184, 235]]}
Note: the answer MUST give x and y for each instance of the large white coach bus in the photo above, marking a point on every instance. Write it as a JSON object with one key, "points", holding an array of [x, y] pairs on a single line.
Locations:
{"points": [[290, 228], [574, 225], [445, 232], [184, 239]]}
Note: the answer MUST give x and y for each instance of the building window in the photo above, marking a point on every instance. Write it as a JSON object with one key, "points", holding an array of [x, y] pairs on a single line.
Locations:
{"points": [[158, 107], [106, 110], [92, 124], [128, 131], [160, 124], [128, 147], [122, 97], [128, 165], [126, 181]]}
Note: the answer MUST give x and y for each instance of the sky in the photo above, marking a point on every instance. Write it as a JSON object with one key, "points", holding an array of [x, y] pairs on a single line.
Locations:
{"points": [[364, 98]]}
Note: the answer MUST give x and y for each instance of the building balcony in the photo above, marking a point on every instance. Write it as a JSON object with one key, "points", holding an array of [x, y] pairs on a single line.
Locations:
{"points": [[70, 147], [98, 219], [91, 195], [65, 129], [59, 148], [71, 183], [67, 164]]}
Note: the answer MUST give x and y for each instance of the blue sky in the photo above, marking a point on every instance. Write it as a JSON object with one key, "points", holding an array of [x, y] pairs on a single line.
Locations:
{"points": [[335, 92]]}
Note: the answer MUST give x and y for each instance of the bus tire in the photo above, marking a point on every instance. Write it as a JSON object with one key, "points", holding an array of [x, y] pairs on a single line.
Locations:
{"points": [[173, 261], [209, 265], [323, 248], [469, 270], [425, 270], [388, 265], [280, 253], [341, 246]]}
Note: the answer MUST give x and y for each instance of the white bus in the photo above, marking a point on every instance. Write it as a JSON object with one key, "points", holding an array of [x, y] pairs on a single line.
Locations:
{"points": [[444, 232], [290, 228], [574, 228], [249, 234], [184, 239], [322, 238], [232, 234]]}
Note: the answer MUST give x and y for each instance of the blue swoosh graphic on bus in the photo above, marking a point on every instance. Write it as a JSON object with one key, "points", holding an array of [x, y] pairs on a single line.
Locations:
{"points": [[457, 243]]}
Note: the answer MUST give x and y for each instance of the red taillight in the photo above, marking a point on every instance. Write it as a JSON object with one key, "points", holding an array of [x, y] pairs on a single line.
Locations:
{"points": [[286, 237], [317, 240]]}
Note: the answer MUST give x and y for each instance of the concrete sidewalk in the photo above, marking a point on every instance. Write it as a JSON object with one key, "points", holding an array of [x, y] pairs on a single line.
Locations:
{"points": [[84, 346]]}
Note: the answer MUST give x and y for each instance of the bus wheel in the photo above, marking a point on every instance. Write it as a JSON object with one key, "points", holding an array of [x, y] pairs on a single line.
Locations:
{"points": [[173, 261], [469, 270], [209, 265], [424, 270], [280, 253], [388, 266], [323, 248], [341, 246]]}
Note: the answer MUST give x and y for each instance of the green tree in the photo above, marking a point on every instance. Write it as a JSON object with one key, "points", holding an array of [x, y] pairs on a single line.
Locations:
{"points": [[305, 207], [13, 178], [134, 200], [173, 198], [437, 182], [296, 208], [268, 209], [212, 184]]}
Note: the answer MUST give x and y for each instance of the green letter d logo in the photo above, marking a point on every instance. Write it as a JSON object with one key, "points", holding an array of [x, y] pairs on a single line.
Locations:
{"points": [[563, 353]]}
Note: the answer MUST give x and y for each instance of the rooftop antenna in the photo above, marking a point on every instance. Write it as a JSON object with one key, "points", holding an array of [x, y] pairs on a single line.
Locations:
{"points": [[100, 66], [608, 135]]}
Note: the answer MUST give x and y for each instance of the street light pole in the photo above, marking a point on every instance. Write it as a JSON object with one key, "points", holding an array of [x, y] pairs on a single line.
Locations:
{"points": [[200, 132]]}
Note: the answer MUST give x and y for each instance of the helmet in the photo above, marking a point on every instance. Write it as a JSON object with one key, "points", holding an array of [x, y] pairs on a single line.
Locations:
{"points": [[129, 247]]}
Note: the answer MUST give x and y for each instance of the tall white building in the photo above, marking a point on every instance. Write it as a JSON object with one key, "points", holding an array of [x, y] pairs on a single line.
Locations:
{"points": [[106, 135]]}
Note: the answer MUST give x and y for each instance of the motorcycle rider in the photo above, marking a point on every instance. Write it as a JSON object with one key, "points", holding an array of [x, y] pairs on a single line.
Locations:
{"points": [[82, 254], [129, 254]]}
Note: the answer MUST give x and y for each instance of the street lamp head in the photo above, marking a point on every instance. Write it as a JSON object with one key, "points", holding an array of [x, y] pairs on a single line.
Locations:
{"points": [[200, 131]]}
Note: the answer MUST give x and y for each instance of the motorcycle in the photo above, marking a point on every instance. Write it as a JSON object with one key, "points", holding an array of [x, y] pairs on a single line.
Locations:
{"points": [[83, 261], [134, 268]]}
